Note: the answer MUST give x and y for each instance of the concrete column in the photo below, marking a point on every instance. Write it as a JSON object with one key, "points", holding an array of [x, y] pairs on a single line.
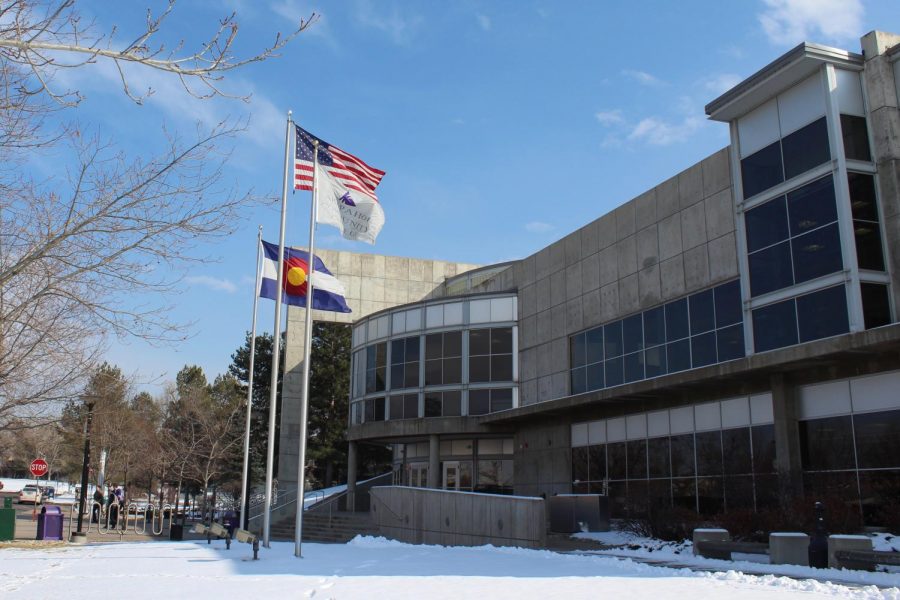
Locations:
{"points": [[787, 440], [434, 462], [351, 476]]}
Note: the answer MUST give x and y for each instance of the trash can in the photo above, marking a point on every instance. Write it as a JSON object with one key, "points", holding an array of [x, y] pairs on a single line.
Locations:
{"points": [[50, 524], [176, 532], [7, 521]]}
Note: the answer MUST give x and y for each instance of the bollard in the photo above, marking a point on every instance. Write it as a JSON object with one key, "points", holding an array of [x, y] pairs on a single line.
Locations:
{"points": [[256, 548], [818, 541], [208, 536], [228, 542]]}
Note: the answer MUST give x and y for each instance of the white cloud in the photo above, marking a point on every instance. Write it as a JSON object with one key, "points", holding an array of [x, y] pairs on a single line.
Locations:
{"points": [[719, 84], [642, 77], [789, 22], [484, 21], [608, 118], [213, 283], [399, 28], [458, 121], [658, 132], [538, 227]]}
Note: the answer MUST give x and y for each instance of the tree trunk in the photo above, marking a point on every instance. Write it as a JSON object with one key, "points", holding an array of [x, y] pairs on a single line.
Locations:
{"points": [[329, 473]]}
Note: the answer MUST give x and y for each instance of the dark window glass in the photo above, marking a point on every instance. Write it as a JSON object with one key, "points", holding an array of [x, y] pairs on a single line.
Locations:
{"points": [[879, 491], [703, 349], [678, 356], [868, 245], [634, 367], [618, 501], [767, 494], [452, 404], [763, 438], [594, 345], [612, 338], [411, 376], [453, 343], [822, 314], [677, 320], [770, 269], [501, 340], [614, 372], [412, 349], [637, 497], [826, 444], [702, 312], [433, 372], [877, 439], [730, 343], [411, 406], [501, 399], [762, 170], [862, 196], [775, 326], [479, 368], [396, 407], [398, 351], [380, 379], [654, 326], [597, 462], [433, 404], [812, 206], [452, 370], [710, 495], [876, 305], [738, 492], [841, 485], [576, 350], [682, 448], [659, 493], [615, 456], [632, 334], [805, 148], [595, 376], [480, 401], [817, 253], [369, 406], [434, 345], [397, 376], [480, 342], [684, 493], [709, 453], [856, 138], [580, 464], [766, 224], [736, 451], [501, 367], [658, 455], [655, 361], [728, 303], [637, 459]]}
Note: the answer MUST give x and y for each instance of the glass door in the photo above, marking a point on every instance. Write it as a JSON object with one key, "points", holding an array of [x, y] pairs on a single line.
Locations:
{"points": [[451, 476]]}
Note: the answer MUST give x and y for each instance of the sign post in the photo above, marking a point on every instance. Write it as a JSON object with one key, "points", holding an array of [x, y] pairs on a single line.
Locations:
{"points": [[38, 468]]}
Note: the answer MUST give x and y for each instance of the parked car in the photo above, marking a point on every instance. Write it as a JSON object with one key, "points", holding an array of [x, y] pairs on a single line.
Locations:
{"points": [[31, 494]]}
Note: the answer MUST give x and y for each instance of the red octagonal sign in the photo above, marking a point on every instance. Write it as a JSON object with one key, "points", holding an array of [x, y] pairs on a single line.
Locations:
{"points": [[39, 467]]}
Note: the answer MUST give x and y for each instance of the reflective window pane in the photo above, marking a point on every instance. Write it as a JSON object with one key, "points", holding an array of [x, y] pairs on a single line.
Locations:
{"points": [[453, 343], [634, 367], [823, 314], [501, 399], [766, 224], [433, 372], [434, 345], [826, 444], [580, 464], [595, 379], [432, 405], [501, 340], [805, 148], [770, 269], [702, 312], [856, 138], [658, 457], [480, 401], [632, 333], [654, 326], [817, 253], [412, 349], [862, 196], [682, 449], [501, 367], [684, 493], [678, 356], [703, 349], [775, 326], [398, 351], [452, 404], [612, 339], [876, 304], [728, 303], [615, 460], [614, 372], [593, 343], [763, 440], [480, 342], [736, 451], [709, 453], [479, 368], [877, 439], [410, 406], [637, 459], [677, 320], [576, 350], [812, 206], [655, 361], [868, 245], [762, 170], [452, 370], [597, 462], [730, 343]]}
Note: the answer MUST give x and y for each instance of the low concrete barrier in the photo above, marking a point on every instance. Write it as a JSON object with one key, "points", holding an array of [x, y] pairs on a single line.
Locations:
{"points": [[709, 535], [789, 548], [448, 518], [846, 542]]}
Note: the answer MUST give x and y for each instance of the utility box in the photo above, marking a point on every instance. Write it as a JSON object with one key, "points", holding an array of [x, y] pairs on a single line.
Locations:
{"points": [[7, 521], [50, 524]]}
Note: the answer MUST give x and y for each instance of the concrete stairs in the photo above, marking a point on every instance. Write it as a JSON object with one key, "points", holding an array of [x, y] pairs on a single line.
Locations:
{"points": [[336, 528]]}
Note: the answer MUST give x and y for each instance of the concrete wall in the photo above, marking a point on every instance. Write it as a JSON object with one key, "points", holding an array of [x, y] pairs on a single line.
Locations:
{"points": [[373, 283], [676, 238], [423, 516], [542, 455]]}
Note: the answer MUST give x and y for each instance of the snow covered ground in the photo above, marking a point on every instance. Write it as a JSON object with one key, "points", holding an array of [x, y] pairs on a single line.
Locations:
{"points": [[376, 568]]}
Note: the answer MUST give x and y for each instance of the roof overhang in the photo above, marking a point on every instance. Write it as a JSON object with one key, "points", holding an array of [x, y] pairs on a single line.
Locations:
{"points": [[782, 73]]}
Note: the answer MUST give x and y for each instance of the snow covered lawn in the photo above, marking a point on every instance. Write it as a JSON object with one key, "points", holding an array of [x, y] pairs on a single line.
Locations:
{"points": [[373, 568]]}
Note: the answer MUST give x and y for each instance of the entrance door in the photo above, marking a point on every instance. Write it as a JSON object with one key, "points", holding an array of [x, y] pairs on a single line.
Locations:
{"points": [[451, 476], [418, 475]]}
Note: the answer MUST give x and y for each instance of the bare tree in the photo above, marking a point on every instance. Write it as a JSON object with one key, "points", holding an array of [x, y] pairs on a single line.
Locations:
{"points": [[95, 250]]}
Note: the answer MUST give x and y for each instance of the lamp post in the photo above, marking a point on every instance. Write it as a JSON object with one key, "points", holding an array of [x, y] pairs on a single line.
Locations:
{"points": [[78, 536]]}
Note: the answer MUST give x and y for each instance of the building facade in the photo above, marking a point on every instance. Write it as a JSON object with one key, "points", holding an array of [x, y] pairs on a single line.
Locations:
{"points": [[728, 339]]}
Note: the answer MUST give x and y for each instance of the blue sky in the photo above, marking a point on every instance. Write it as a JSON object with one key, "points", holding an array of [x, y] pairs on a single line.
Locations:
{"points": [[502, 126]]}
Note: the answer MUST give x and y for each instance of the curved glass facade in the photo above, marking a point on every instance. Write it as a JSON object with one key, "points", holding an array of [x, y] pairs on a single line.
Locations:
{"points": [[446, 358]]}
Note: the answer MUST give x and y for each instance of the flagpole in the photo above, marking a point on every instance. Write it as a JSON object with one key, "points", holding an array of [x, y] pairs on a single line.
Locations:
{"points": [[276, 341], [245, 475], [307, 354]]}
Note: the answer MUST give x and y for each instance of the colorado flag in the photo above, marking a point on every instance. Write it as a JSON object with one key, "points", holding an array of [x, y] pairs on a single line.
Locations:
{"points": [[328, 292]]}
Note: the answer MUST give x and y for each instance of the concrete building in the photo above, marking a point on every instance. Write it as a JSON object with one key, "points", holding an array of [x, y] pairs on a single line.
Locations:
{"points": [[726, 339]]}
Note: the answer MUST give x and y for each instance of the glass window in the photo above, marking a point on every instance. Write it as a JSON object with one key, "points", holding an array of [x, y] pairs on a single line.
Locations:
{"points": [[826, 444], [658, 457], [877, 439], [812, 206], [376, 367], [805, 148], [677, 320], [728, 303], [501, 367], [452, 343], [822, 314], [452, 404], [576, 350], [633, 333], [654, 326], [703, 349], [710, 495], [612, 338], [374, 408], [856, 138], [775, 326], [655, 361], [682, 449], [501, 399], [702, 312], [580, 464], [614, 372], [866, 230], [405, 363], [616, 463], [634, 367], [766, 224], [480, 342], [479, 368], [595, 376], [501, 340], [597, 462], [594, 345], [480, 401], [763, 439], [659, 493], [637, 459], [410, 406], [736, 451], [862, 196], [678, 356], [817, 253], [770, 269], [684, 493], [876, 304], [578, 380], [396, 407], [709, 453], [762, 170], [730, 343], [433, 404], [738, 492]]}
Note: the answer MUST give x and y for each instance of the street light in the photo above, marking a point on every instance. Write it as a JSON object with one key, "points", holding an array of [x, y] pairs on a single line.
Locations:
{"points": [[78, 536]]}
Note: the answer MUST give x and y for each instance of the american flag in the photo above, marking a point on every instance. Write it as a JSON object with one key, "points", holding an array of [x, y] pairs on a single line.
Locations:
{"points": [[353, 173]]}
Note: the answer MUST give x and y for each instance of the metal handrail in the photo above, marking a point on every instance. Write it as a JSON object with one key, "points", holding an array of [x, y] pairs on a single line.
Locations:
{"points": [[384, 504]]}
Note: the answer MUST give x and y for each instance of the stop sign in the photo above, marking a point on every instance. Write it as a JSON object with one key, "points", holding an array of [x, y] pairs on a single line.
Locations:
{"points": [[39, 467]]}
